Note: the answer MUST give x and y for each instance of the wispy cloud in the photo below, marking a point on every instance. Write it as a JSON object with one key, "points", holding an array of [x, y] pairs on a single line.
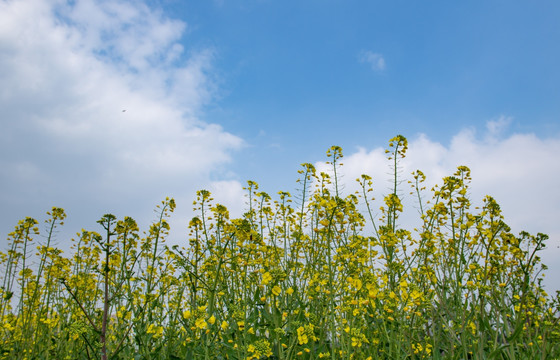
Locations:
{"points": [[375, 60], [101, 106], [497, 126]]}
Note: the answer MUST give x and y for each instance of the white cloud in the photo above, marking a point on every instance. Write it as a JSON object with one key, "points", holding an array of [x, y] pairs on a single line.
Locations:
{"points": [[497, 126], [375, 60], [231, 194], [520, 171], [100, 109]]}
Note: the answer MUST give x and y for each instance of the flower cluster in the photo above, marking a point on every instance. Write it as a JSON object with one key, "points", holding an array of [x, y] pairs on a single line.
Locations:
{"points": [[317, 275]]}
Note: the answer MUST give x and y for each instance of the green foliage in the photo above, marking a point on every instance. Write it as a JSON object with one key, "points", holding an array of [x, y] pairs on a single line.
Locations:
{"points": [[290, 279]]}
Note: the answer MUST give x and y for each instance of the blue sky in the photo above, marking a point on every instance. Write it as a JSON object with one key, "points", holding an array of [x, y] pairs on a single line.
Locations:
{"points": [[215, 93], [295, 81]]}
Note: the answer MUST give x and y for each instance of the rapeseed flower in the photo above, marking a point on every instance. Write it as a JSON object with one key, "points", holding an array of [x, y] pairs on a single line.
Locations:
{"points": [[460, 272]]}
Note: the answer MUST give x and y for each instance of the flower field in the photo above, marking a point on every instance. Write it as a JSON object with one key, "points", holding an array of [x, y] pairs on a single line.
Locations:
{"points": [[309, 276]]}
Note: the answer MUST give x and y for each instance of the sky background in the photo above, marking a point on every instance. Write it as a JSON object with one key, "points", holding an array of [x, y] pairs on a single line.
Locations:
{"points": [[110, 106]]}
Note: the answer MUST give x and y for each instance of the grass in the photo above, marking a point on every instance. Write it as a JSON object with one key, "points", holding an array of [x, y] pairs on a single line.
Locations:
{"points": [[294, 278]]}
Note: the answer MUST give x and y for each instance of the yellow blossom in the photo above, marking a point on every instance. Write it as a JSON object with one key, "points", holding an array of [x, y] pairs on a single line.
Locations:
{"points": [[302, 337], [200, 323], [266, 278]]}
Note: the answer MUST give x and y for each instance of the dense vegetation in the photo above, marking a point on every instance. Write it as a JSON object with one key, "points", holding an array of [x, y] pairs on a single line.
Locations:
{"points": [[297, 278]]}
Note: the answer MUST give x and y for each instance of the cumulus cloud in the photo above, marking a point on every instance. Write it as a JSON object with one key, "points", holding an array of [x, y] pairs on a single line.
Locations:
{"points": [[375, 60], [101, 107], [231, 194], [520, 171]]}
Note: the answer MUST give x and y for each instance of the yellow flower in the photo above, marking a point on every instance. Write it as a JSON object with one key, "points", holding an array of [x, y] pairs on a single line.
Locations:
{"points": [[302, 337], [200, 323], [415, 294], [266, 278], [472, 326], [157, 331], [357, 284], [290, 291], [224, 325], [276, 290], [212, 320]]}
